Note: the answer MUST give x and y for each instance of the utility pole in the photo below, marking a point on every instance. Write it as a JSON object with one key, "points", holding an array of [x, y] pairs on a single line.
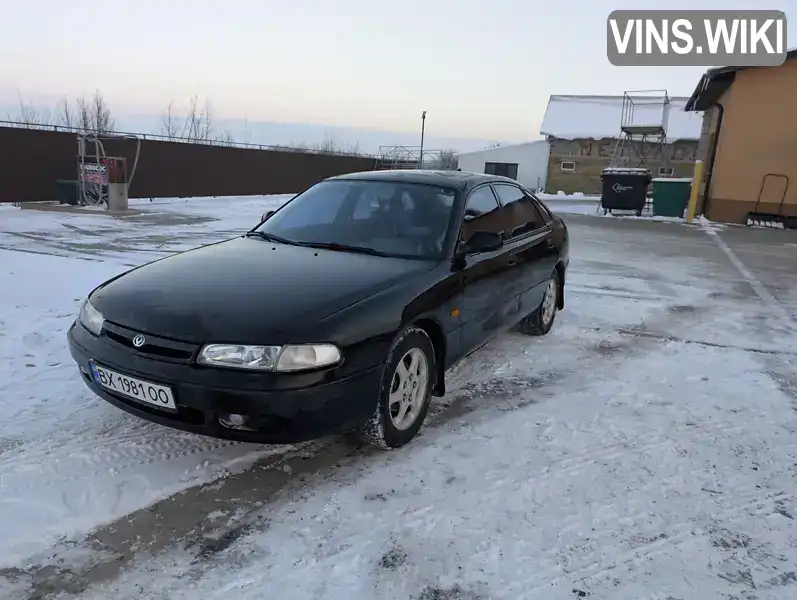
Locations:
{"points": [[423, 128]]}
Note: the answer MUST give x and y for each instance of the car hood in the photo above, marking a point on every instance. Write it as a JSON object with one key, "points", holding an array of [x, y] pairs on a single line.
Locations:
{"points": [[246, 290]]}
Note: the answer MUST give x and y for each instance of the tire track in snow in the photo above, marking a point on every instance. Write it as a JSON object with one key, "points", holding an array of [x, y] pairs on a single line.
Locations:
{"points": [[129, 445], [111, 461], [587, 345], [682, 533], [333, 459]]}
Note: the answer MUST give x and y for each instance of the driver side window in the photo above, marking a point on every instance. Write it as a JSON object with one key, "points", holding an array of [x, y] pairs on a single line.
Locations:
{"points": [[482, 213]]}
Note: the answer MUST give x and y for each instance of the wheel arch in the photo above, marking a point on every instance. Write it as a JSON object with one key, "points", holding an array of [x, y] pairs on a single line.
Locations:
{"points": [[434, 330], [560, 296]]}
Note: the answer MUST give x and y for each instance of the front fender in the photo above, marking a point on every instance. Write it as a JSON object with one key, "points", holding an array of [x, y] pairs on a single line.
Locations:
{"points": [[373, 323]]}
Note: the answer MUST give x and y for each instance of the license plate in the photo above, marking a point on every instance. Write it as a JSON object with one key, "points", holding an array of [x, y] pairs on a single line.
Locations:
{"points": [[132, 387]]}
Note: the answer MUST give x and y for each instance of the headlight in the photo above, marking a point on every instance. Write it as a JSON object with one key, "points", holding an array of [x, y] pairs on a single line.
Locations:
{"points": [[299, 357], [307, 356], [91, 318]]}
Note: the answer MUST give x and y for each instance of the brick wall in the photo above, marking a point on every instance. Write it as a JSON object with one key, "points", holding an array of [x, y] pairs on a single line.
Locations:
{"points": [[592, 156]]}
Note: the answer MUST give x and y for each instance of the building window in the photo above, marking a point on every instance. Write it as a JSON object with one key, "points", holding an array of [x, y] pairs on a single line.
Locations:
{"points": [[568, 165], [666, 171], [501, 169]]}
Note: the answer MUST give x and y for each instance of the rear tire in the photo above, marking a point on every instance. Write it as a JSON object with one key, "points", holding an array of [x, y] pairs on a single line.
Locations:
{"points": [[541, 320], [405, 393]]}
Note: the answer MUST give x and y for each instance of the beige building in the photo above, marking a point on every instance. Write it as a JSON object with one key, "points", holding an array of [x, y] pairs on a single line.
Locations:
{"points": [[583, 132], [749, 141]]}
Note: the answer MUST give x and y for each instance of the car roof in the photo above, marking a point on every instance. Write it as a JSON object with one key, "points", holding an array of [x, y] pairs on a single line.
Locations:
{"points": [[461, 180]]}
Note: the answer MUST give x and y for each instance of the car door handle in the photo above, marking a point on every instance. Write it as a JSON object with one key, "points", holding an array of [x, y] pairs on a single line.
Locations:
{"points": [[512, 261], [550, 243]]}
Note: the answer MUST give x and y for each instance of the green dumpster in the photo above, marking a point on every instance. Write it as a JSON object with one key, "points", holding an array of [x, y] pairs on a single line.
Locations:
{"points": [[671, 195], [66, 192]]}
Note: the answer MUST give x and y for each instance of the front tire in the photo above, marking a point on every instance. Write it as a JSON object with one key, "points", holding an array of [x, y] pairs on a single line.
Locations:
{"points": [[405, 393], [541, 320]]}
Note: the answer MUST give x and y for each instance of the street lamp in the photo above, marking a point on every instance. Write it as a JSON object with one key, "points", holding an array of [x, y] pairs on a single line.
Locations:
{"points": [[423, 127]]}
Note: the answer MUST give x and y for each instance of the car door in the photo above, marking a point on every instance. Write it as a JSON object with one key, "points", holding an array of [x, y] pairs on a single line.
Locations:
{"points": [[488, 303], [530, 244]]}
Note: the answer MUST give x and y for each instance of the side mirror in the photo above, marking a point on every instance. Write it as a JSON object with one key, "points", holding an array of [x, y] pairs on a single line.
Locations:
{"points": [[483, 241], [266, 215]]}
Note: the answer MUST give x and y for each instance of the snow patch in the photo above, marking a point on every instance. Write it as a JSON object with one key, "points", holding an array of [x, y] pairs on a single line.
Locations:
{"points": [[68, 460], [710, 227]]}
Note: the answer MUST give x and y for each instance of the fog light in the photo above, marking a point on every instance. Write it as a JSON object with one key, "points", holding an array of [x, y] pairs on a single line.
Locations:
{"points": [[236, 421]]}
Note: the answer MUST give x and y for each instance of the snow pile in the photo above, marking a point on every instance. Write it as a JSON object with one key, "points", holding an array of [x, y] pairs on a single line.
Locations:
{"points": [[710, 227], [576, 203]]}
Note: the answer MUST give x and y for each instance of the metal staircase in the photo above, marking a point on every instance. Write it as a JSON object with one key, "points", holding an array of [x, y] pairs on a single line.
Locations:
{"points": [[643, 129]]}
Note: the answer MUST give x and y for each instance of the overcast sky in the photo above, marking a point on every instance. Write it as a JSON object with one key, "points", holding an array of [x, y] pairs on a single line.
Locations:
{"points": [[480, 68]]}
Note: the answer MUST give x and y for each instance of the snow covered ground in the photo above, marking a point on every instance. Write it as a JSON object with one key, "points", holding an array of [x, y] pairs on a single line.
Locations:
{"points": [[646, 449]]}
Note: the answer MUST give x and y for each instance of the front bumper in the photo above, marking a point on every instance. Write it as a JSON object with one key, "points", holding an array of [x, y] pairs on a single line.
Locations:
{"points": [[203, 394]]}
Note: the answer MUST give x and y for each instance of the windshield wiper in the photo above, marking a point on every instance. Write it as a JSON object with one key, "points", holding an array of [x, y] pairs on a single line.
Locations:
{"points": [[270, 237], [347, 248]]}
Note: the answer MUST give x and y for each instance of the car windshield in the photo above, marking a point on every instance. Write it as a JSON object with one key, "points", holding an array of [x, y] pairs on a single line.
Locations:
{"points": [[390, 218]]}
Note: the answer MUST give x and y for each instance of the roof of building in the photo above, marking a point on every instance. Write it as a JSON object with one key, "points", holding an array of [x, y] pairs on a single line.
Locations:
{"points": [[597, 117], [503, 147], [715, 82]]}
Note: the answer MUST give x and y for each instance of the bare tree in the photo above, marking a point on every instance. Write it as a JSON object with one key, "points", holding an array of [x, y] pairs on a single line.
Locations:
{"points": [[247, 133], [103, 122], [170, 127], [83, 116], [199, 122], [448, 160], [65, 116], [29, 115], [329, 145], [93, 115], [226, 138], [195, 126], [295, 147]]}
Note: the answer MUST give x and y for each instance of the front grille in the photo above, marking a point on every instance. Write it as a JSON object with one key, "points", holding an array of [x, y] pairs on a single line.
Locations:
{"points": [[154, 346]]}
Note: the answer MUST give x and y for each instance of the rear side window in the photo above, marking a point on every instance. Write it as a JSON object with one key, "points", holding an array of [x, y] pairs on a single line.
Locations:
{"points": [[522, 213], [482, 212]]}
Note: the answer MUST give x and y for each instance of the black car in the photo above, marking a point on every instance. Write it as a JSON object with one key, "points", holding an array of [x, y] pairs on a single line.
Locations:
{"points": [[340, 312]]}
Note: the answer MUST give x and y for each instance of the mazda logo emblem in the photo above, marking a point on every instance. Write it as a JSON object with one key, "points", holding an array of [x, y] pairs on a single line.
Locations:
{"points": [[138, 341]]}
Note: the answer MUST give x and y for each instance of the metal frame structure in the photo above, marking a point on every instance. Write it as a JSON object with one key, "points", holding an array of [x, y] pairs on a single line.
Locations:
{"points": [[639, 137], [95, 191], [409, 157]]}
